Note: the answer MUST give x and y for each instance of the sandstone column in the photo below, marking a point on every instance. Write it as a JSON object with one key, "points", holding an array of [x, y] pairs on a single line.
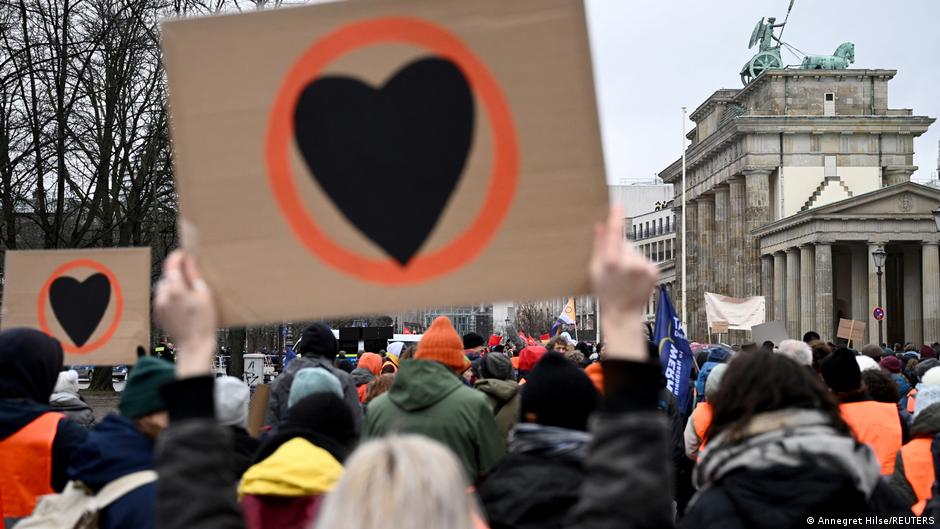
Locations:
{"points": [[767, 285], [807, 289], [780, 287], [692, 267], [860, 288], [756, 214], [931, 279], [706, 241], [824, 298], [793, 293], [873, 324], [722, 230], [913, 313], [736, 199]]}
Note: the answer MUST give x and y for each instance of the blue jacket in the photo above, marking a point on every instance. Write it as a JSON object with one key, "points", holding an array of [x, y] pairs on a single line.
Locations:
{"points": [[114, 449], [715, 356]]}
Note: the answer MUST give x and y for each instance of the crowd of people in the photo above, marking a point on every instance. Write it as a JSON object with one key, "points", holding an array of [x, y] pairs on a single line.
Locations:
{"points": [[462, 433]]}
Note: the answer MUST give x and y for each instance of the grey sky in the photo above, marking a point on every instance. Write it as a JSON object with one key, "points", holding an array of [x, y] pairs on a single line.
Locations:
{"points": [[652, 57]]}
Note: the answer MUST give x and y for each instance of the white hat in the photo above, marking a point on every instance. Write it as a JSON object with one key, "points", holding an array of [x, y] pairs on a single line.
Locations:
{"points": [[866, 362], [67, 382], [395, 348], [567, 337], [231, 401]]}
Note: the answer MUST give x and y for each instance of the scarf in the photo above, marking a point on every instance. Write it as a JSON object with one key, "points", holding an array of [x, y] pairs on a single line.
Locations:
{"points": [[551, 441], [790, 437]]}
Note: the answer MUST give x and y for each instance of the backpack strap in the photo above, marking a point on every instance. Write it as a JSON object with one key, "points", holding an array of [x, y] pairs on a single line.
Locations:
{"points": [[123, 485]]}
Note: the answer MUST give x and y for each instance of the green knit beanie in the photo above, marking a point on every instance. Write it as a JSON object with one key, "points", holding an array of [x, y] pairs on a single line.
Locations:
{"points": [[142, 392]]}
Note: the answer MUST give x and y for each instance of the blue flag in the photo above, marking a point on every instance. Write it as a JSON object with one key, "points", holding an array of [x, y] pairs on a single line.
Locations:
{"points": [[674, 351]]}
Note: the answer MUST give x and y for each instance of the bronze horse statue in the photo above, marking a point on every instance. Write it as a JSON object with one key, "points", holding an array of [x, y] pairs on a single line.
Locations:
{"points": [[843, 57]]}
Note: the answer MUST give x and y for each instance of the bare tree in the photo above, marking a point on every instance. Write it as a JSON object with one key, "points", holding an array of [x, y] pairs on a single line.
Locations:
{"points": [[534, 319]]}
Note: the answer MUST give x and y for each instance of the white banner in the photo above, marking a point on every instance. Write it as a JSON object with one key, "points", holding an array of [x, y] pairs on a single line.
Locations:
{"points": [[740, 313]]}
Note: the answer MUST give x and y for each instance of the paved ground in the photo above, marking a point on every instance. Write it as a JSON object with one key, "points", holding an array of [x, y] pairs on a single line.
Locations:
{"points": [[103, 402]]}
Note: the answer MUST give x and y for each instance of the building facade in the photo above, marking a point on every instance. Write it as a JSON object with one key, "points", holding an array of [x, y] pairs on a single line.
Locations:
{"points": [[777, 152], [654, 235]]}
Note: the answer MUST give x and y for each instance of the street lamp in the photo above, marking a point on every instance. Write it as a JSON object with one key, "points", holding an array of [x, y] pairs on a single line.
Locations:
{"points": [[879, 256]]}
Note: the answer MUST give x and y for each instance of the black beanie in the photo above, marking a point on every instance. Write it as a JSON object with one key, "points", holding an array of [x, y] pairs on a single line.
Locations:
{"points": [[472, 340], [558, 394], [318, 340], [841, 372]]}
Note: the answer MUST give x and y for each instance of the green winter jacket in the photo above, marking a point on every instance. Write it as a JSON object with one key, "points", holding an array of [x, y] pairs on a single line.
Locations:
{"points": [[504, 397], [427, 398]]}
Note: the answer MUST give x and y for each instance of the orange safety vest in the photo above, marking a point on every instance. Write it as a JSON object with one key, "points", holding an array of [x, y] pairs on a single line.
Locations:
{"points": [[911, 400], [26, 465], [595, 372], [876, 424], [918, 468], [701, 420]]}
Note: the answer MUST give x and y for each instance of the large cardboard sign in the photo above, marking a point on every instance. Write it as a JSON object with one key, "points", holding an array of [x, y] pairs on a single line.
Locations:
{"points": [[359, 157], [851, 330], [95, 302]]}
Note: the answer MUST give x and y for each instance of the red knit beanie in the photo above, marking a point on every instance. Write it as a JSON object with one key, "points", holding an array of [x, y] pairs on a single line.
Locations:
{"points": [[441, 343]]}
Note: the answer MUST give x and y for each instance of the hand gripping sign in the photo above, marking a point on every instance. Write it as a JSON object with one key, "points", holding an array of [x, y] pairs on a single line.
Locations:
{"points": [[95, 302], [360, 157]]}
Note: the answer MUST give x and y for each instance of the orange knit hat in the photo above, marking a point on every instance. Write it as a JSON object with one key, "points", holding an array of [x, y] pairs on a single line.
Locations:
{"points": [[441, 343]]}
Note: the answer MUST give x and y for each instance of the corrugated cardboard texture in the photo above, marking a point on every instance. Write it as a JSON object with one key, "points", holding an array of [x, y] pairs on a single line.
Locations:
{"points": [[28, 271], [224, 75]]}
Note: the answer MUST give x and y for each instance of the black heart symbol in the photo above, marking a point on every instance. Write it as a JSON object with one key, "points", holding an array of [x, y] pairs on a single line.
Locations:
{"points": [[389, 158], [79, 307]]}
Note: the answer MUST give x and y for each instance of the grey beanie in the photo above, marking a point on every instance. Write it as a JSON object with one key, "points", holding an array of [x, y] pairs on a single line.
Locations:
{"points": [[231, 401], [714, 380], [496, 365]]}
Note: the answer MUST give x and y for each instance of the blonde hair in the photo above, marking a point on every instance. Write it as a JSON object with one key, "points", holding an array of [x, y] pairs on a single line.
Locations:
{"points": [[400, 481]]}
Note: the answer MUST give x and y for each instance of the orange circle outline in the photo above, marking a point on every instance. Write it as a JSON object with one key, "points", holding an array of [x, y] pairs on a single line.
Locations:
{"points": [[118, 304], [503, 176]]}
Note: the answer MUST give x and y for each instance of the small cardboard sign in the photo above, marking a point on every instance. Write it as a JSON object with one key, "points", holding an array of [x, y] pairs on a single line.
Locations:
{"points": [[368, 157], [774, 331], [851, 330], [95, 302], [719, 327]]}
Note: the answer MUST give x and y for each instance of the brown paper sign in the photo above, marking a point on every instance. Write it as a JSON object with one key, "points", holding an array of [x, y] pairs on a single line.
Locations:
{"points": [[361, 157], [95, 302], [719, 327], [257, 409], [851, 330]]}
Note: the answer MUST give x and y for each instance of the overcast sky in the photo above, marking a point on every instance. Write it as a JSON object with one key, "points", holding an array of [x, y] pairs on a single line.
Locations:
{"points": [[652, 57]]}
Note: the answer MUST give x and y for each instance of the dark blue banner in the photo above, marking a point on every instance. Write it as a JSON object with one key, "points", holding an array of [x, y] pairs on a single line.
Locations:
{"points": [[674, 351]]}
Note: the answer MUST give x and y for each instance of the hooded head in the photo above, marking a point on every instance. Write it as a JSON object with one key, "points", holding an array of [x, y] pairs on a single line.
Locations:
{"points": [[310, 381], [442, 344], [558, 394], [841, 372], [372, 362], [231, 401], [496, 365], [30, 362], [67, 382], [318, 340]]}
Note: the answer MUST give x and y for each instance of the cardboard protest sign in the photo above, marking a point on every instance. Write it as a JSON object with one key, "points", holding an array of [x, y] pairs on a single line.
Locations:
{"points": [[360, 157], [719, 327], [851, 330], [95, 302]]}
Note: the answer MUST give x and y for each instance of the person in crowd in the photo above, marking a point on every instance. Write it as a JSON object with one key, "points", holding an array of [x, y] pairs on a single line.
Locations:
{"points": [[558, 344], [716, 355], [380, 385], [124, 443], [317, 348], [369, 367], [343, 363], [232, 397], [893, 366], [498, 384], [874, 351], [928, 351], [66, 399], [473, 346], [924, 365], [36, 445], [748, 347], [809, 337], [310, 381], [410, 471], [866, 363], [780, 452], [820, 350], [528, 357], [538, 482], [876, 424], [798, 350], [295, 468], [627, 477], [407, 353], [914, 469], [696, 427], [882, 387], [392, 357], [428, 398]]}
